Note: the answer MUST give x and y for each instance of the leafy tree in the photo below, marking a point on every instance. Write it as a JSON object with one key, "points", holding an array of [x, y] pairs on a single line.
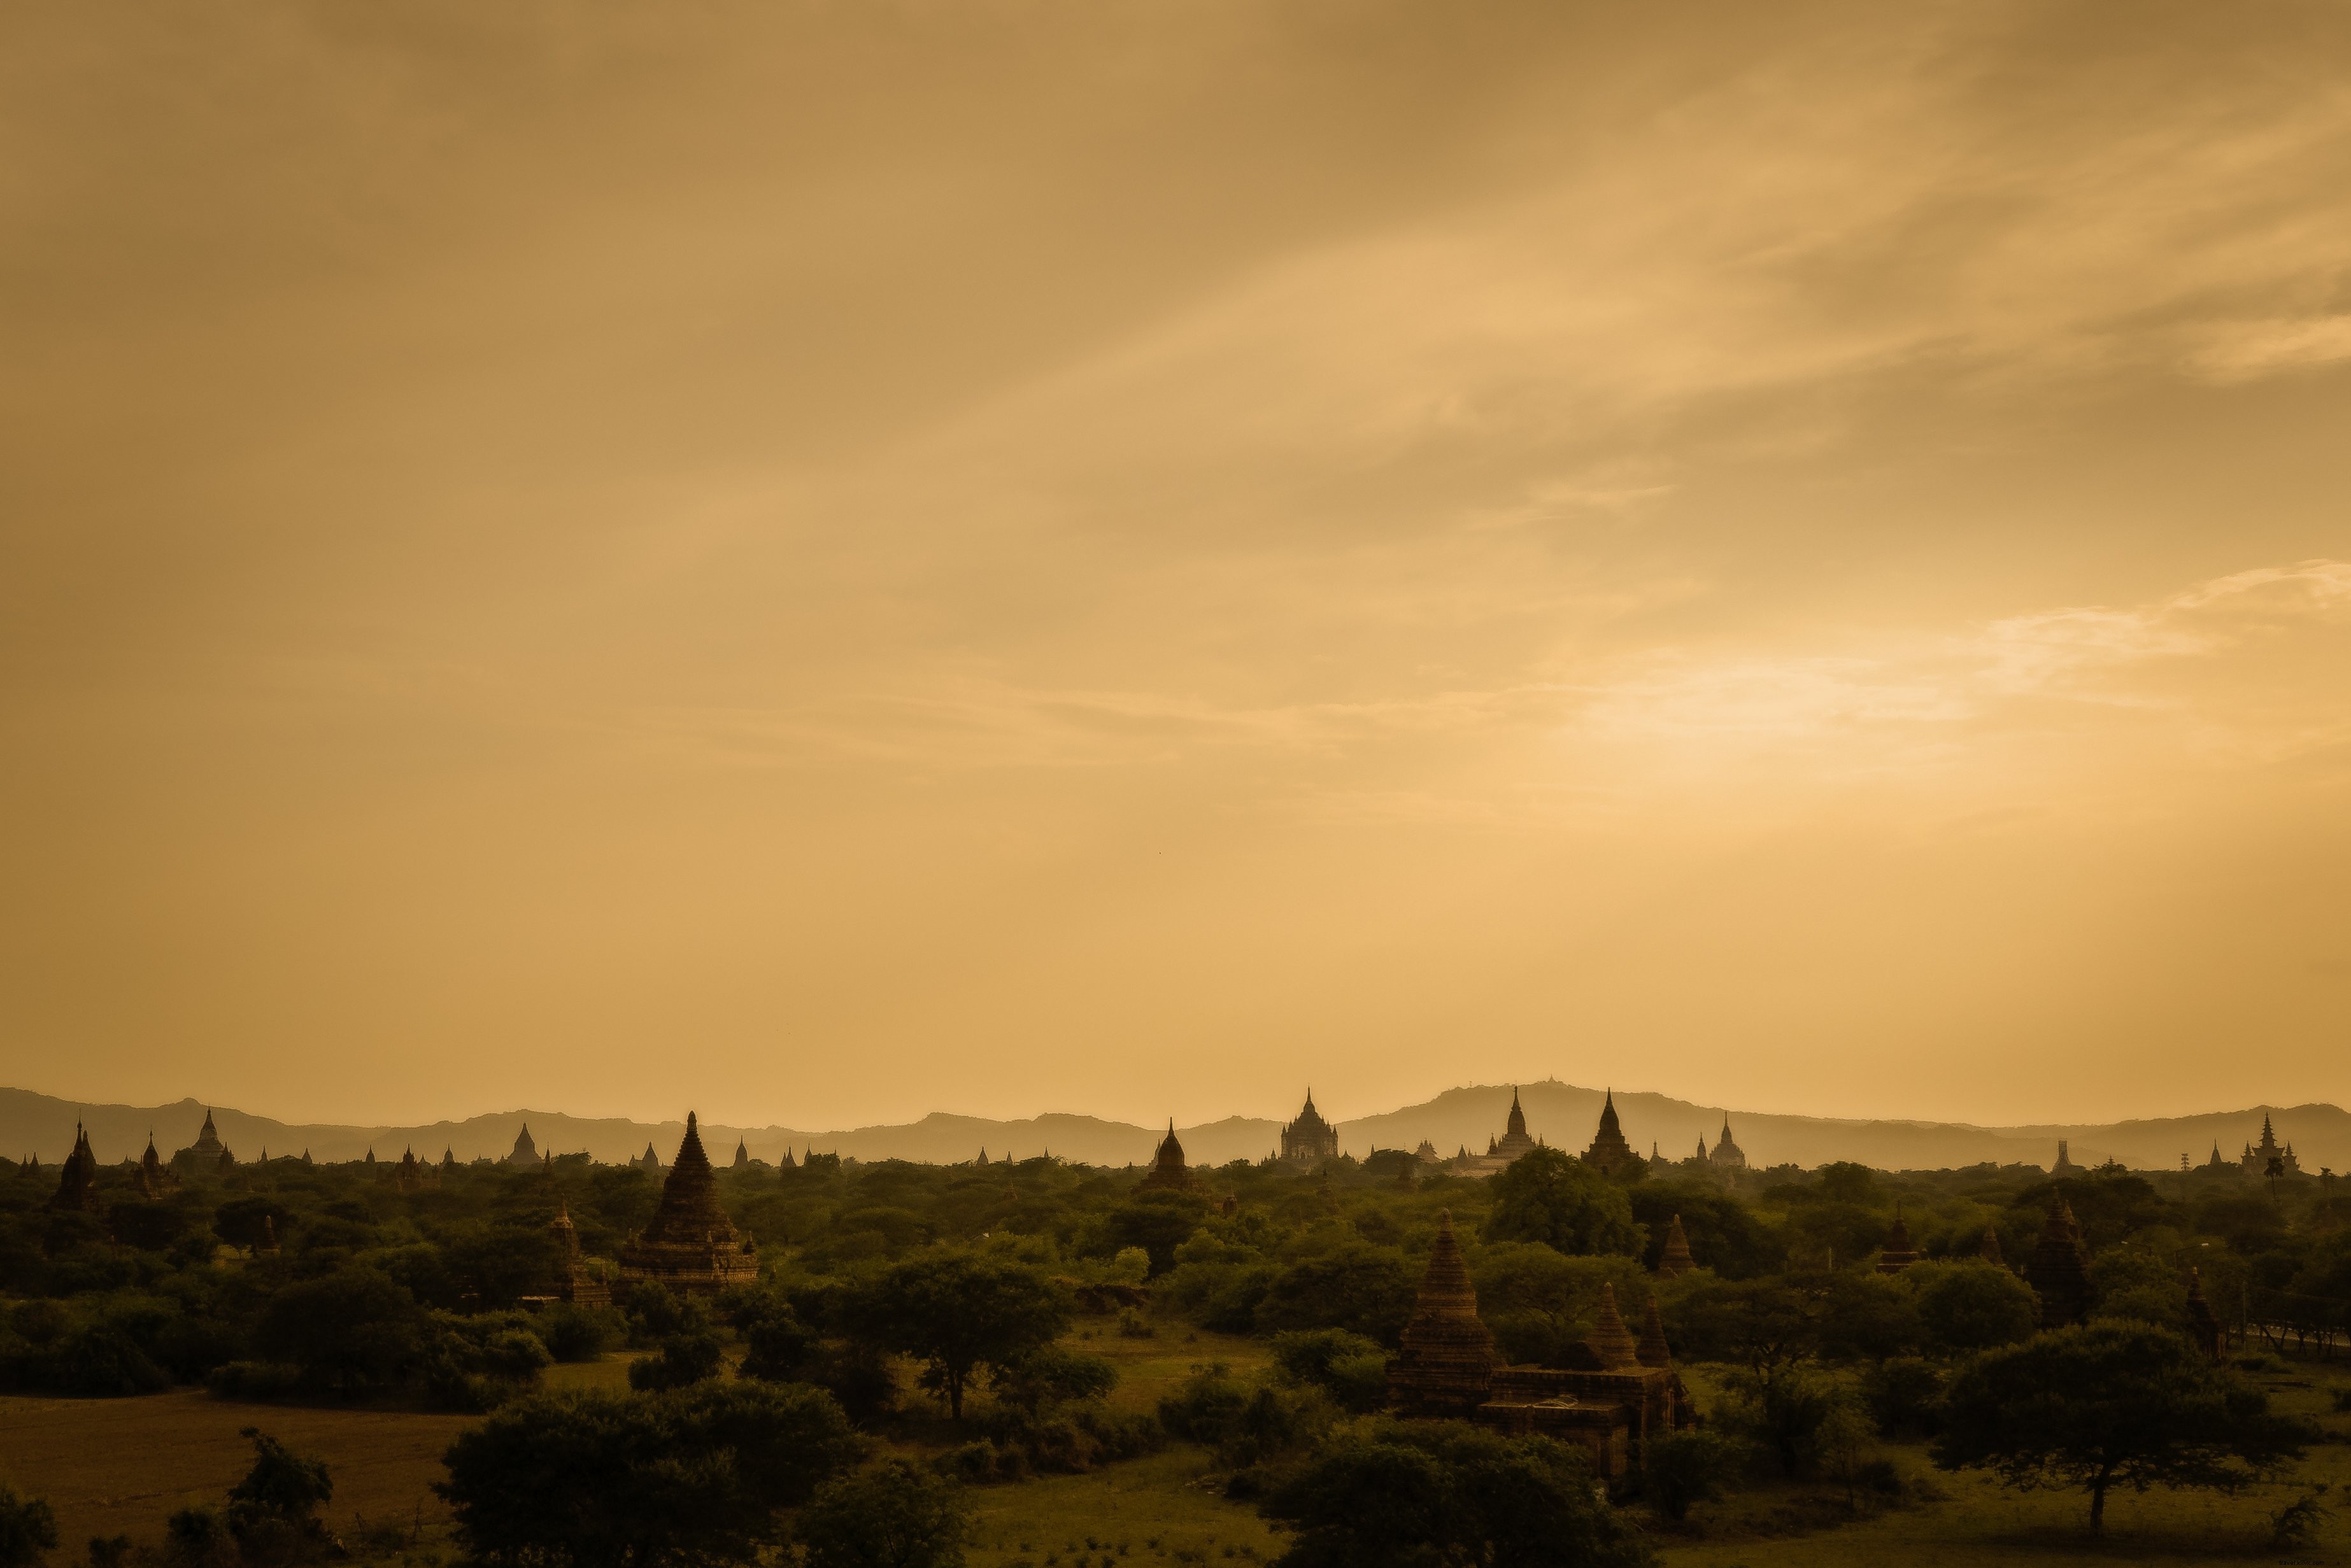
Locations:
{"points": [[1540, 1302], [958, 1312], [1355, 1286], [1971, 1305], [1424, 1496], [349, 1331], [1051, 1375], [1546, 1196], [2111, 1403], [281, 1481], [892, 1516], [29, 1529], [684, 1359], [1865, 1317], [1904, 1396], [1724, 1234], [1764, 1326], [1352, 1370], [684, 1479], [1682, 1469], [1157, 1222]]}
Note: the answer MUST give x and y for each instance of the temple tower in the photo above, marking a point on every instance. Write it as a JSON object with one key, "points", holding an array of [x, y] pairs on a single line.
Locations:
{"points": [[1447, 1364], [1898, 1254], [690, 1245], [524, 1152], [1309, 1140], [1727, 1156], [1676, 1260], [1609, 1152], [78, 1182], [1168, 1172], [2059, 1270]]}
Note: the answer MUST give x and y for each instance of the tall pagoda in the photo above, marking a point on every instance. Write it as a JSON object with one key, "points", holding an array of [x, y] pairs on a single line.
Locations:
{"points": [[1309, 1140], [690, 1246], [1609, 1152]]}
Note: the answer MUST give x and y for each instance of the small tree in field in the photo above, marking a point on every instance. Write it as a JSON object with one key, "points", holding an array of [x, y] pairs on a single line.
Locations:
{"points": [[893, 1516], [958, 1312], [2113, 1404], [28, 1530]]}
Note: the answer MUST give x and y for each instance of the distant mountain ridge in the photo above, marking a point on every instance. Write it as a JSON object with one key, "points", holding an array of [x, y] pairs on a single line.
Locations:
{"points": [[1560, 1114]]}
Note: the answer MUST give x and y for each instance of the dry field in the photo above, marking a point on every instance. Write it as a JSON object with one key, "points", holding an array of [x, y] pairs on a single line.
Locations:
{"points": [[112, 1466]]}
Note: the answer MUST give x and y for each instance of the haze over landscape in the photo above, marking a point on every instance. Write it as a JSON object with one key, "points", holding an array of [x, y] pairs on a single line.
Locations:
{"points": [[838, 563]]}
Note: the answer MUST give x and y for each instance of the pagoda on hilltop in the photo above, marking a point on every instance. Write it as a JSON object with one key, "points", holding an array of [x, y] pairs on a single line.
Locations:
{"points": [[690, 1246], [1514, 1144], [1307, 1141], [1609, 1152], [1168, 1172], [2259, 1157], [208, 1147], [525, 1151]]}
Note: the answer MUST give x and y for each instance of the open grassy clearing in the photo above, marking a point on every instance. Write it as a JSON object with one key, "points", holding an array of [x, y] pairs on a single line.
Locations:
{"points": [[112, 1466]]}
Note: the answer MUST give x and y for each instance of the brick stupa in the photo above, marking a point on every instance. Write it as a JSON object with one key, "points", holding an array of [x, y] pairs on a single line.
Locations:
{"points": [[1447, 1366], [690, 1246], [1676, 1260], [2059, 1270]]}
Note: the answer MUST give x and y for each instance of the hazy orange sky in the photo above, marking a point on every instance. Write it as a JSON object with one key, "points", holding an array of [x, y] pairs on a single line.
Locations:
{"points": [[824, 561]]}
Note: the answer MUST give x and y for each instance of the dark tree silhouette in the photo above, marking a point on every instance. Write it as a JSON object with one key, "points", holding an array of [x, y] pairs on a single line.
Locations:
{"points": [[2110, 1404]]}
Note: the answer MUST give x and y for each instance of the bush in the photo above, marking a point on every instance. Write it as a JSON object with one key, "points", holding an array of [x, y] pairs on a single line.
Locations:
{"points": [[1363, 1289], [1052, 1375], [263, 1382], [1905, 1397], [682, 1361], [893, 1516], [1969, 1306], [1783, 1415], [29, 1529], [1681, 1469], [1352, 1370], [576, 1333], [1245, 1423], [663, 1480]]}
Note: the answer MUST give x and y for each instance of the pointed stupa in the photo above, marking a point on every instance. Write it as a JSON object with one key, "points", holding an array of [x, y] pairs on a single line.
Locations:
{"points": [[741, 1154], [690, 1245], [1653, 1350], [1168, 1172], [1727, 1156], [1611, 1341], [1675, 1258], [267, 1245], [154, 1180], [77, 1183], [1609, 1152], [1898, 1254], [1990, 1251], [2059, 1270], [1446, 1362]]}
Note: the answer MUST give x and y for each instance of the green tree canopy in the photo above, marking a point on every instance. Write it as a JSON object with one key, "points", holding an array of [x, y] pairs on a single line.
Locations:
{"points": [[892, 1516], [684, 1479], [29, 1529], [958, 1312], [2111, 1403], [1548, 1197], [1969, 1306], [1414, 1496]]}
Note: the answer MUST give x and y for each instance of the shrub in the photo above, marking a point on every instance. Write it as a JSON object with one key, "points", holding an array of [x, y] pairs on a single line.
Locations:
{"points": [[893, 1516], [1352, 1370], [682, 1360], [576, 1333], [29, 1529], [1681, 1469], [1905, 1397]]}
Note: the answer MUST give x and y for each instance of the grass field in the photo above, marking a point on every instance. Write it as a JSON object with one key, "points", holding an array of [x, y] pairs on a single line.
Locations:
{"points": [[112, 1466]]}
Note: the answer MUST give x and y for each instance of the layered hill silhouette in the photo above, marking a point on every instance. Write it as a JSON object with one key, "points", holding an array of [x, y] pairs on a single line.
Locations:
{"points": [[1560, 1114]]}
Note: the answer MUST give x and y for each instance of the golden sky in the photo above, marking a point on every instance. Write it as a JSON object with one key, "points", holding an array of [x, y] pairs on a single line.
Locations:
{"points": [[828, 560]]}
